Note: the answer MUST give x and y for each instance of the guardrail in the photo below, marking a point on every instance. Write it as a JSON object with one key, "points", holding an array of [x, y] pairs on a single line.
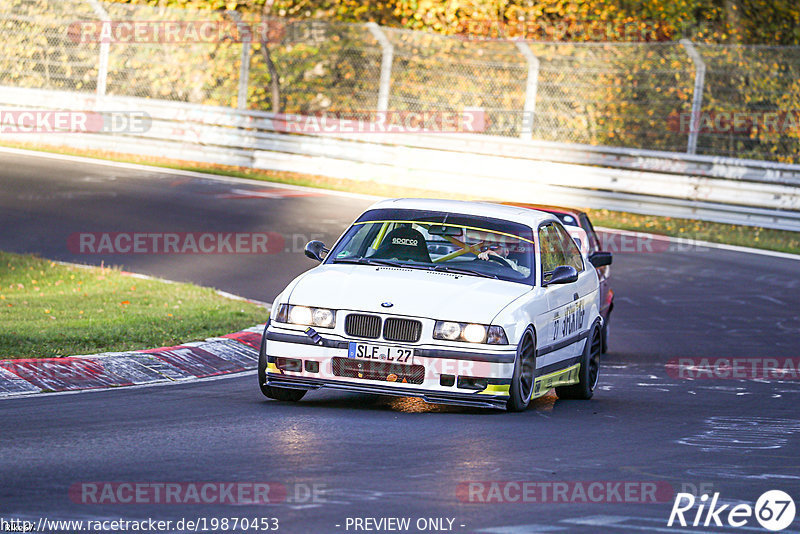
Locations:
{"points": [[658, 183]]}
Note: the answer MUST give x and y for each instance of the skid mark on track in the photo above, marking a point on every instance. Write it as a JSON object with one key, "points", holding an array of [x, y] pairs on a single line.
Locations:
{"points": [[646, 524], [743, 434], [522, 529], [609, 523], [744, 473]]}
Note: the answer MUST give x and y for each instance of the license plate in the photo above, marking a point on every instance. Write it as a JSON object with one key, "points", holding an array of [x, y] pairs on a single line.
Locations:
{"points": [[381, 353]]}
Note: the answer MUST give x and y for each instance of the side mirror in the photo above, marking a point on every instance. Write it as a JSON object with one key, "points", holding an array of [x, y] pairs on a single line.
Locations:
{"points": [[565, 274], [314, 250], [601, 259]]}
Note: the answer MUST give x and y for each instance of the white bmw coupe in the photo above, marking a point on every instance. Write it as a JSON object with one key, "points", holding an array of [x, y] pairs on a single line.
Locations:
{"points": [[465, 303]]}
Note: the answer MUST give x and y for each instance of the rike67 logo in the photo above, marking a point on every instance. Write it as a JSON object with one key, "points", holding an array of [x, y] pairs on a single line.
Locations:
{"points": [[774, 510]]}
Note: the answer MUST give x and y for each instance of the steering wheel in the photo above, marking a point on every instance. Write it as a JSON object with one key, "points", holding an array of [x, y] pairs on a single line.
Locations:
{"points": [[497, 259], [501, 261]]}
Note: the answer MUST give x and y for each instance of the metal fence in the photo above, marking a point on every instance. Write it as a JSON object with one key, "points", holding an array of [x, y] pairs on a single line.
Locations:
{"points": [[676, 97]]}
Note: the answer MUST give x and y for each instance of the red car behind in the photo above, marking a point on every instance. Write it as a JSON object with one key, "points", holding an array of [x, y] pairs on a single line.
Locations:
{"points": [[577, 218]]}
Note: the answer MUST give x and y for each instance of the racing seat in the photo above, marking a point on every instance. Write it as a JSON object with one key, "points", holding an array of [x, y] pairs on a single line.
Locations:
{"points": [[404, 244]]}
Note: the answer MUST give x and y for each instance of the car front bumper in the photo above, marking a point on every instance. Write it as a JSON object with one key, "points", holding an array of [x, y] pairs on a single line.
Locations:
{"points": [[439, 374]]}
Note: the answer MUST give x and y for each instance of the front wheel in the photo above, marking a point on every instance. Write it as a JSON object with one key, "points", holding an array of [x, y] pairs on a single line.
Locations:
{"points": [[522, 381], [281, 394], [589, 372]]}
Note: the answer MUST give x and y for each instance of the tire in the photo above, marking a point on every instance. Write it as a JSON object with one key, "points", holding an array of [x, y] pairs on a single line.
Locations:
{"points": [[523, 379], [281, 394], [590, 369], [605, 336]]}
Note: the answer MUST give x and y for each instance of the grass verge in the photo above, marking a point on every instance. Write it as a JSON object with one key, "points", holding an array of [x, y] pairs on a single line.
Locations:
{"points": [[747, 236], [48, 309]]}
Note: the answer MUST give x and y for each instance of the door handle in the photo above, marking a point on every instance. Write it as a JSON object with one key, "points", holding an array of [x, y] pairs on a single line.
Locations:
{"points": [[575, 296]]}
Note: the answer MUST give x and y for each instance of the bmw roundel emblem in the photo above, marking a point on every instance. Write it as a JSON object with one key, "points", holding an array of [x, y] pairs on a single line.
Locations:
{"points": [[387, 304]]}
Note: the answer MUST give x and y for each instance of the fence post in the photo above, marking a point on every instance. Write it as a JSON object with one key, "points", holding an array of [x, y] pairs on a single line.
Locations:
{"points": [[387, 57], [697, 97], [102, 67], [244, 70], [531, 86]]}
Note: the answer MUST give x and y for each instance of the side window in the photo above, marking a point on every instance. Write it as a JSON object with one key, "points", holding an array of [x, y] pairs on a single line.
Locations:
{"points": [[360, 242], [572, 253], [551, 250]]}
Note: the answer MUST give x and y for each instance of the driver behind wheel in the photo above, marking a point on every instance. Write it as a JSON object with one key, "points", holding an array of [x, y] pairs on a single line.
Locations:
{"points": [[510, 255], [501, 251]]}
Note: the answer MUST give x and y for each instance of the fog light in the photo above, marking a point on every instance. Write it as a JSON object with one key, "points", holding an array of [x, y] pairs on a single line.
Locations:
{"points": [[471, 382], [447, 380], [289, 364]]}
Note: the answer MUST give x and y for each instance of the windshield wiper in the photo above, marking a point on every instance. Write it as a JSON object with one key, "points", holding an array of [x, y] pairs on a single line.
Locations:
{"points": [[390, 263], [458, 270], [370, 261]]}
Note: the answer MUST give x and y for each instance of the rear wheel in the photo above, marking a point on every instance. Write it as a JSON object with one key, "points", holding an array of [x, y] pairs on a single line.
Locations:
{"points": [[281, 394], [524, 375], [589, 372]]}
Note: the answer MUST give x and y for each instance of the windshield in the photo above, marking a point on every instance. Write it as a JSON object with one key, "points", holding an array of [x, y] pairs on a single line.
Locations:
{"points": [[475, 246]]}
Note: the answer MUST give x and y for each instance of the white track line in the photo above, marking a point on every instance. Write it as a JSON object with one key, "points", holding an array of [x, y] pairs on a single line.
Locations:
{"points": [[235, 180], [177, 172], [231, 296], [694, 242]]}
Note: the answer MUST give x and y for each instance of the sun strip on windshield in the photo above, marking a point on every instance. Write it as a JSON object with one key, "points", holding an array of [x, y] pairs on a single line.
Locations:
{"points": [[429, 223]]}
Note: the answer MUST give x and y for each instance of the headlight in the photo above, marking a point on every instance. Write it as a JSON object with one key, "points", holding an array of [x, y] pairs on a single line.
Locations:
{"points": [[300, 315], [470, 333], [321, 317], [474, 333], [447, 330]]}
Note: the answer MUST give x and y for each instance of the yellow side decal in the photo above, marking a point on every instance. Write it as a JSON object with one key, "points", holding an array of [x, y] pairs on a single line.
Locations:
{"points": [[496, 389], [563, 377]]}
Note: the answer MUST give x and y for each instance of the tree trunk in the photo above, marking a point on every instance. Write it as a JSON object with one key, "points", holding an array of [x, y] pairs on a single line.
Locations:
{"points": [[274, 78], [274, 81]]}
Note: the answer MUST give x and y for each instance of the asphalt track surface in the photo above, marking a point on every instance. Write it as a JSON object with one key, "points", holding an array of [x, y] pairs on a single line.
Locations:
{"points": [[395, 457]]}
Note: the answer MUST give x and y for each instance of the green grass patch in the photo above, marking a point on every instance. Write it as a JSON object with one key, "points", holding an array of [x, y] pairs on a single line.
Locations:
{"points": [[48, 309], [747, 236]]}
